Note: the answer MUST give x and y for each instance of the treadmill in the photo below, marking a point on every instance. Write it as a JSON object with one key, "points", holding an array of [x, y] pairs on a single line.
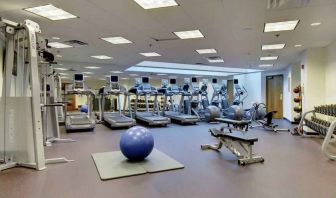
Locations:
{"points": [[114, 119], [80, 121], [178, 115], [150, 118]]}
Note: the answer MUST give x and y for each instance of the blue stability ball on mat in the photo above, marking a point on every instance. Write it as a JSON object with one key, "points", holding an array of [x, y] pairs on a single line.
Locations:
{"points": [[84, 108], [136, 143]]}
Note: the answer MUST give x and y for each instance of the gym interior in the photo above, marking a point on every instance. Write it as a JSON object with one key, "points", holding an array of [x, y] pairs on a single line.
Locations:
{"points": [[167, 98]]}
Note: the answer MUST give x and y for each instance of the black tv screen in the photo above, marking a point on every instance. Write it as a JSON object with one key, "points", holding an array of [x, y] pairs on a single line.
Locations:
{"points": [[79, 77], [214, 81], [194, 80], [173, 81], [145, 80], [114, 79], [235, 81]]}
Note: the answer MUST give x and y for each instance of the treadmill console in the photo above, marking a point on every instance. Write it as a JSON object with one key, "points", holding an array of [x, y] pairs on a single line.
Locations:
{"points": [[173, 87], [194, 84], [114, 82], [78, 81], [146, 87]]}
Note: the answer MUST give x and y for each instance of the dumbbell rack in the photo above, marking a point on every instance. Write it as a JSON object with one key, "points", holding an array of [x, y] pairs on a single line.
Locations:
{"points": [[323, 126]]}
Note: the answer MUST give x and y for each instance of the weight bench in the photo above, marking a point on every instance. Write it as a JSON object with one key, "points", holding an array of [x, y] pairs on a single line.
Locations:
{"points": [[237, 125], [239, 145], [267, 123]]}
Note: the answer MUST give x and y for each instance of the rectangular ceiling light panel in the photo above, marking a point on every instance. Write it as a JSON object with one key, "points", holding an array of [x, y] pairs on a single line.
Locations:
{"points": [[151, 4], [102, 57], [206, 51], [266, 65], [280, 26], [189, 34], [51, 12], [150, 54], [265, 58], [92, 67], [58, 45], [117, 40], [273, 46]]}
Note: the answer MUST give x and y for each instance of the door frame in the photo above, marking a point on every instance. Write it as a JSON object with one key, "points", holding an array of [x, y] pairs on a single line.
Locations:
{"points": [[282, 106]]}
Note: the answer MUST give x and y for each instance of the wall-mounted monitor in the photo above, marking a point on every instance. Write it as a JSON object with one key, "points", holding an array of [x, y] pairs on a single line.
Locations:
{"points": [[235, 81], [194, 80], [214, 80]]}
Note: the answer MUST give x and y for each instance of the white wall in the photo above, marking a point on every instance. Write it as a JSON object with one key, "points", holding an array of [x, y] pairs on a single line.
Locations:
{"points": [[330, 74]]}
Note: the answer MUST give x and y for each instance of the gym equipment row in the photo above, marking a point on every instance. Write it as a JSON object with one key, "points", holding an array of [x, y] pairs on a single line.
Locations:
{"points": [[323, 123]]}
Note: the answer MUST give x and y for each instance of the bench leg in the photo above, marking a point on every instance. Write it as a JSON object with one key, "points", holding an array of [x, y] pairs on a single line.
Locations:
{"points": [[249, 158], [212, 146]]}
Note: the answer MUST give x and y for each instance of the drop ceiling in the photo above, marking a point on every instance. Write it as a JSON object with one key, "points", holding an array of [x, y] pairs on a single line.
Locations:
{"points": [[233, 28]]}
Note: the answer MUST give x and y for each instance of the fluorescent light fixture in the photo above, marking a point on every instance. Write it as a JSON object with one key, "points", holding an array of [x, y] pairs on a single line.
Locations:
{"points": [[64, 77], [59, 56], [92, 67], [58, 45], [298, 45], [315, 24], [51, 12], [206, 51], [133, 75], [60, 64], [161, 74], [150, 54], [266, 58], [86, 76], [273, 46], [102, 57], [117, 40], [266, 65], [124, 78], [116, 72], [281, 26], [87, 72], [151, 4], [55, 38], [64, 74], [60, 68], [189, 34], [216, 60], [194, 67]]}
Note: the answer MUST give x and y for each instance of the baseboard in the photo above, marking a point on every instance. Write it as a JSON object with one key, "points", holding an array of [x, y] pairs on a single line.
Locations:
{"points": [[292, 122]]}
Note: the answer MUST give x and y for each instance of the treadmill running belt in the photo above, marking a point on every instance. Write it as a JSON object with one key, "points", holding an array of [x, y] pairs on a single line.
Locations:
{"points": [[80, 120], [120, 119]]}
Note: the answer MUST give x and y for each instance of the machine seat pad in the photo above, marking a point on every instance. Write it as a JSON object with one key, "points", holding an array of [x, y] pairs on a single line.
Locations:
{"points": [[233, 136]]}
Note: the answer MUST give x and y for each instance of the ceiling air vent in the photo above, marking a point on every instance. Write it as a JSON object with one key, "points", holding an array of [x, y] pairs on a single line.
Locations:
{"points": [[276, 4], [76, 43]]}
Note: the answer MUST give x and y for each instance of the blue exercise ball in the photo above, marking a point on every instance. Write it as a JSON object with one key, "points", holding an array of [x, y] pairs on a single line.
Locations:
{"points": [[84, 108], [136, 143]]}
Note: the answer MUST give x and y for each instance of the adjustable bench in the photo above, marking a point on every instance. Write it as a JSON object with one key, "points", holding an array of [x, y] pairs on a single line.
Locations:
{"points": [[239, 144]]}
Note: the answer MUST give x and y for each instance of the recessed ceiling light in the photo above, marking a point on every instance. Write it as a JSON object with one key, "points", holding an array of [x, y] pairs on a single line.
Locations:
{"points": [[265, 58], [102, 57], [58, 45], [59, 56], [273, 46], [161, 74], [133, 75], [55, 38], [92, 67], [116, 72], [281, 26], [206, 51], [315, 24], [51, 12], [150, 54], [266, 65], [216, 60], [117, 40], [150, 4], [298, 45], [189, 34], [87, 72], [60, 68]]}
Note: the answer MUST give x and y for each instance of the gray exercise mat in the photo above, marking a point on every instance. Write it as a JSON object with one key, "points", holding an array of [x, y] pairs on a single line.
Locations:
{"points": [[112, 165]]}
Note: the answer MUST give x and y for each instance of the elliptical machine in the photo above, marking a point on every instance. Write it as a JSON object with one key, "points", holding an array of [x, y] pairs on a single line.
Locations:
{"points": [[240, 93], [219, 96], [201, 106]]}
